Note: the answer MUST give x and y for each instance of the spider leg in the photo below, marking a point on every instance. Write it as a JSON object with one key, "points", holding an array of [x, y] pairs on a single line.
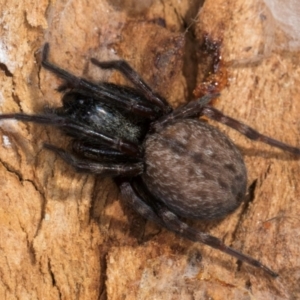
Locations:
{"points": [[97, 152], [76, 129], [191, 109], [155, 211], [104, 169], [249, 132], [123, 67], [173, 223], [138, 204], [104, 92]]}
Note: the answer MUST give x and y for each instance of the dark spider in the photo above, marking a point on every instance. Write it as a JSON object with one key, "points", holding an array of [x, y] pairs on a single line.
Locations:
{"points": [[167, 163]]}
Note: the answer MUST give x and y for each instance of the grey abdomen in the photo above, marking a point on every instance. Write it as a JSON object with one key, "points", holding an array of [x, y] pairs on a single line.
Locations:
{"points": [[195, 170]]}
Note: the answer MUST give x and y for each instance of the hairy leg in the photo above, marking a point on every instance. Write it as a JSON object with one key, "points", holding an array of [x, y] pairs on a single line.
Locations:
{"points": [[249, 132], [103, 169], [190, 110], [107, 93], [98, 152], [123, 67], [158, 213], [173, 223], [78, 130], [137, 204]]}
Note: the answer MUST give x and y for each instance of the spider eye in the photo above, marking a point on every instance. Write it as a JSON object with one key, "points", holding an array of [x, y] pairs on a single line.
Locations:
{"points": [[72, 99]]}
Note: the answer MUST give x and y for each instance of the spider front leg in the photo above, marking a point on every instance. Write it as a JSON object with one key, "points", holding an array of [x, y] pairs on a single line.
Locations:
{"points": [[78, 130], [123, 67], [103, 169], [103, 92], [97, 152]]}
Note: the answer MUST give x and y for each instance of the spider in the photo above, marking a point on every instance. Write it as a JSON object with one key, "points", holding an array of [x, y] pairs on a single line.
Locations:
{"points": [[168, 163]]}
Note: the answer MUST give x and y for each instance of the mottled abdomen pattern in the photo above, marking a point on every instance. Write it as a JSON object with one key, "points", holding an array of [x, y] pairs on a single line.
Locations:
{"points": [[195, 170]]}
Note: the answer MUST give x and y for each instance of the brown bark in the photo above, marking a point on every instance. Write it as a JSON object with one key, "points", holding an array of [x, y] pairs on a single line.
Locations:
{"points": [[66, 235]]}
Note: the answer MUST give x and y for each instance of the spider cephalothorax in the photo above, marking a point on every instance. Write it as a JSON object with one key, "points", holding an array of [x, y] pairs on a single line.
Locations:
{"points": [[168, 163]]}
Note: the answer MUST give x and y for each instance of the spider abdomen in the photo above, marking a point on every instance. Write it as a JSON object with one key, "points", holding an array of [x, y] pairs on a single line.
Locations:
{"points": [[195, 170]]}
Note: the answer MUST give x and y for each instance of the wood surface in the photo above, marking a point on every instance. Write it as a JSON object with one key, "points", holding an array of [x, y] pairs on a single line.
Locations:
{"points": [[68, 236]]}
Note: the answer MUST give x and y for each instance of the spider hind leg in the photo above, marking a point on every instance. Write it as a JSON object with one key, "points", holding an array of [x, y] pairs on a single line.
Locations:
{"points": [[156, 211], [247, 131]]}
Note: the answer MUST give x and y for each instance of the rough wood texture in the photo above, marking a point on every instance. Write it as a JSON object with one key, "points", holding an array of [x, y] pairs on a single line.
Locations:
{"points": [[67, 236]]}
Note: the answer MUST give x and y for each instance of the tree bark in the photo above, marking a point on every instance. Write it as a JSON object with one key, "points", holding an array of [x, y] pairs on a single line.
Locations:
{"points": [[66, 235]]}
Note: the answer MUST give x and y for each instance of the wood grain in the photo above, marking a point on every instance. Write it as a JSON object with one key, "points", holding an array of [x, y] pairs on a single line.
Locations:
{"points": [[68, 236]]}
